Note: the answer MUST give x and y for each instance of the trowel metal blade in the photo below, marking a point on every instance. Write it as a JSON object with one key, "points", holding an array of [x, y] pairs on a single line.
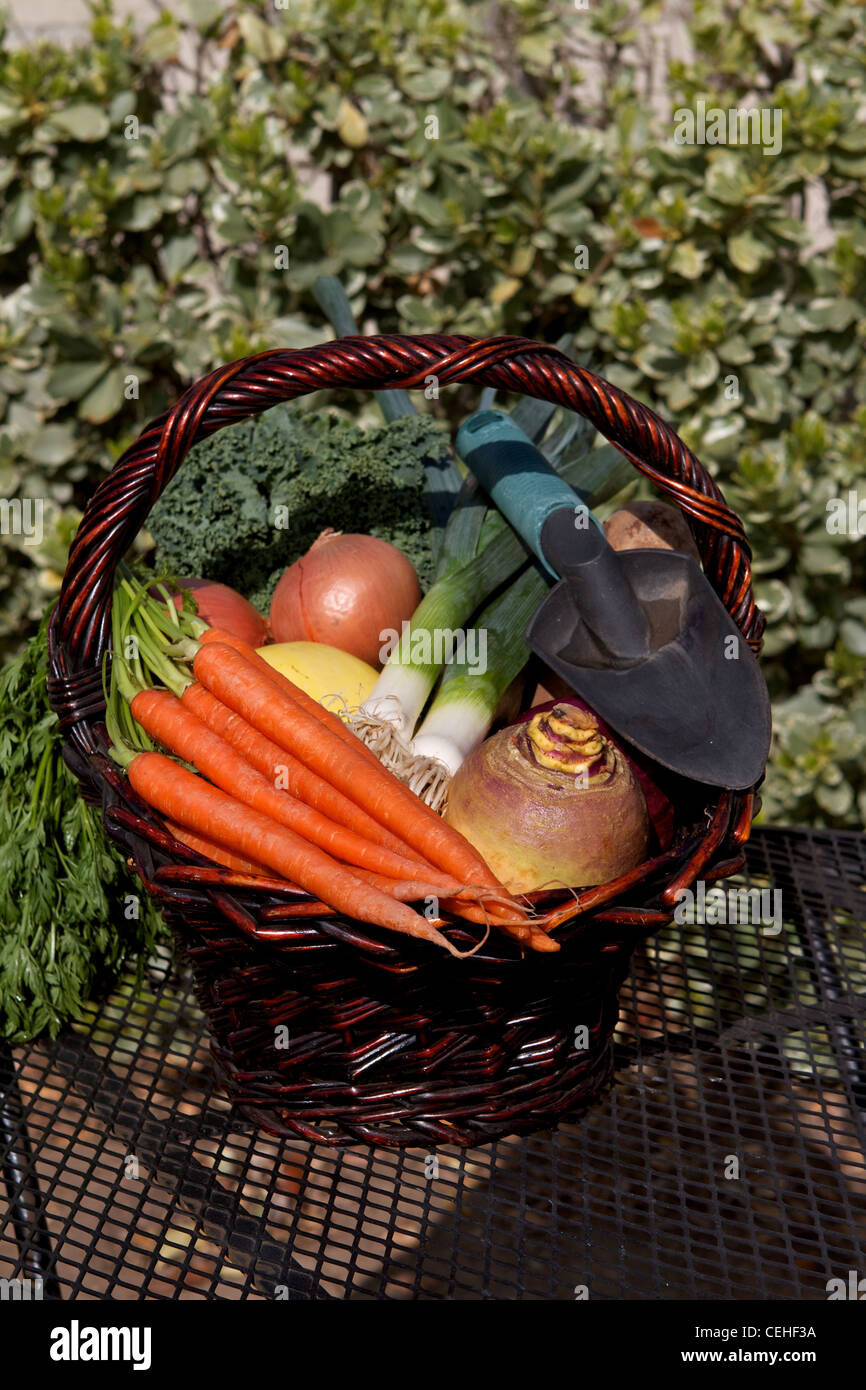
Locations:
{"points": [[698, 704]]}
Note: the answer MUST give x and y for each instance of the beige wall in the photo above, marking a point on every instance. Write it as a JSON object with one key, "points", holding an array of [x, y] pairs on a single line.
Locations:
{"points": [[61, 18]]}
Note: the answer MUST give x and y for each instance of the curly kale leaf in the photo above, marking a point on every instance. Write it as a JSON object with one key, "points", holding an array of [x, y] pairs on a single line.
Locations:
{"points": [[252, 498]]}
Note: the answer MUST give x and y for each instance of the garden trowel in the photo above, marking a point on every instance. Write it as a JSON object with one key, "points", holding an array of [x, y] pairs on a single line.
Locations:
{"points": [[640, 635]]}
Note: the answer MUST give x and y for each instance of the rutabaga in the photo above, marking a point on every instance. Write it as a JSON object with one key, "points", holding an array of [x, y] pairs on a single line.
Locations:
{"points": [[551, 802]]}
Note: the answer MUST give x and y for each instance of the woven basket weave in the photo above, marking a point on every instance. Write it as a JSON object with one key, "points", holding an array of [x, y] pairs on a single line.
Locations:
{"points": [[390, 1040]]}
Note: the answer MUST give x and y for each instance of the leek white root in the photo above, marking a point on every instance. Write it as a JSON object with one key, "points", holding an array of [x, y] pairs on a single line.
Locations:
{"points": [[381, 728], [427, 777]]}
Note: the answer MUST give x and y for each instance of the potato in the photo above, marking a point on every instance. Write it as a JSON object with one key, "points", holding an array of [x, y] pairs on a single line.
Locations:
{"points": [[650, 525]]}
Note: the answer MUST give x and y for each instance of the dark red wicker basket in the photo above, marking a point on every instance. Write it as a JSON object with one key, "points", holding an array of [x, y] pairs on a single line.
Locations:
{"points": [[390, 1041]]}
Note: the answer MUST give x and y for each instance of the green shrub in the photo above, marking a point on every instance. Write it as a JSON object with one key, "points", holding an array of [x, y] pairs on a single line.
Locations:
{"points": [[152, 178]]}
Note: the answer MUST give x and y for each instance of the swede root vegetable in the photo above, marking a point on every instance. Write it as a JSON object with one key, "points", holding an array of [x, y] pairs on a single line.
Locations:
{"points": [[551, 801], [659, 805]]}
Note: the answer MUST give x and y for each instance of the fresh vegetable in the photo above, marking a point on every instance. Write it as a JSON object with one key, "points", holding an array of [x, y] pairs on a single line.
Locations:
{"points": [[659, 805], [650, 525], [443, 476], [177, 793], [428, 640], [551, 801], [70, 909], [253, 497], [347, 591], [270, 709], [480, 555], [219, 606], [175, 726], [211, 850], [469, 695], [328, 719], [312, 707], [135, 614], [332, 677], [284, 770], [242, 686], [240, 679]]}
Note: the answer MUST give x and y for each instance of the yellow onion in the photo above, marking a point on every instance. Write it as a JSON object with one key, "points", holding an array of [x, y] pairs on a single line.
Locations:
{"points": [[551, 801], [348, 592]]}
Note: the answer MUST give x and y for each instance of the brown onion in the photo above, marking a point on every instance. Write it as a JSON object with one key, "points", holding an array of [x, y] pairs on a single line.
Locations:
{"points": [[347, 591], [551, 801]]}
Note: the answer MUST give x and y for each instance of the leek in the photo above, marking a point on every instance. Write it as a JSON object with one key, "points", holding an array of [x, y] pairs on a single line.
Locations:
{"points": [[427, 641], [466, 701], [392, 709]]}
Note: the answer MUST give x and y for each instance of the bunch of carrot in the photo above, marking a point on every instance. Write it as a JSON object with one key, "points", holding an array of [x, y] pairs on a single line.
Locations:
{"points": [[274, 784]]}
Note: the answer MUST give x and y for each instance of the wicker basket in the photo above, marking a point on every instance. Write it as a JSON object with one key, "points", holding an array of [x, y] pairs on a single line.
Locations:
{"points": [[391, 1041]]}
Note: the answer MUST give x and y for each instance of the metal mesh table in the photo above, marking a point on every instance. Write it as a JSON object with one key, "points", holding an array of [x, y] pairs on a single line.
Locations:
{"points": [[728, 1161]]}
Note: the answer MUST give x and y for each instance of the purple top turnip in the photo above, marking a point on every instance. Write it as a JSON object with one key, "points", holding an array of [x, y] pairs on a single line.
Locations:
{"points": [[551, 802]]}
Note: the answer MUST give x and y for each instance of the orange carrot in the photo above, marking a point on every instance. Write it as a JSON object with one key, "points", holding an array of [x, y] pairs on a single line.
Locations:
{"points": [[405, 890], [265, 705], [165, 719], [310, 706], [326, 716], [273, 761], [169, 721], [216, 852], [526, 931], [242, 871], [482, 910], [179, 794]]}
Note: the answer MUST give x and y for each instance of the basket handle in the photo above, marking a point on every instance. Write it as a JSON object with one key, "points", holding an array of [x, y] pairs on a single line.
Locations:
{"points": [[120, 505]]}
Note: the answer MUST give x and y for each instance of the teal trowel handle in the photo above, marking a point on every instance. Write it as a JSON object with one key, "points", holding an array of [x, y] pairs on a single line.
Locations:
{"points": [[544, 510], [515, 475]]}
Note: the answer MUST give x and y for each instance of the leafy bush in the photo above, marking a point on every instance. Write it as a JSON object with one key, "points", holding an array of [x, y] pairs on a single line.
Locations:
{"points": [[171, 195]]}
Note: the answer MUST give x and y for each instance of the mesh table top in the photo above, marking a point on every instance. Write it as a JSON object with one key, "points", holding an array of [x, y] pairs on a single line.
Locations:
{"points": [[727, 1162]]}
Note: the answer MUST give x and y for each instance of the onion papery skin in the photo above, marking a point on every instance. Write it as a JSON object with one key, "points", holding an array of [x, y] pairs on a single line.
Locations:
{"points": [[348, 592], [551, 802]]}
